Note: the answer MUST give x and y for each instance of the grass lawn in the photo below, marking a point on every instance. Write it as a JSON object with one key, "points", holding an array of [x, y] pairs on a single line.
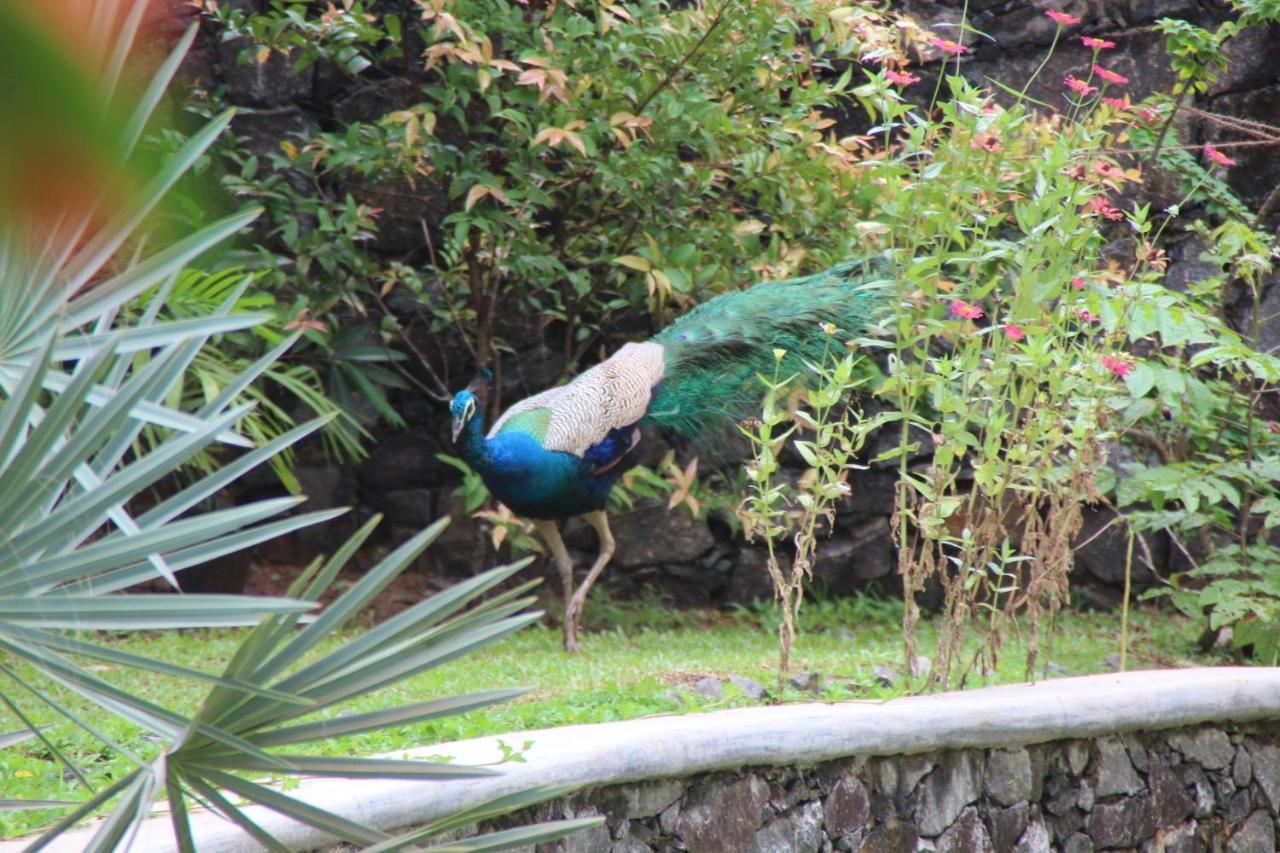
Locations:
{"points": [[638, 660]]}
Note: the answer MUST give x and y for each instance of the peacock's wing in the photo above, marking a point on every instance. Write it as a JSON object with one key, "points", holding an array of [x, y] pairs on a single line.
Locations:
{"points": [[579, 415], [715, 354]]}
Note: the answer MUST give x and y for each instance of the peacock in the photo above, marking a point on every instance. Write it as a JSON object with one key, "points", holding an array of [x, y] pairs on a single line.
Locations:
{"points": [[558, 454]]}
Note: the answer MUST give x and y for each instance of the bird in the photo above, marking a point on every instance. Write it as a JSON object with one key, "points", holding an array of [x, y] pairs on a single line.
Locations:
{"points": [[559, 453]]}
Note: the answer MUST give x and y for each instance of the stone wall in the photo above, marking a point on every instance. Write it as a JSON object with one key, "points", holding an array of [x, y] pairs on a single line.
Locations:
{"points": [[1205, 788], [1158, 760]]}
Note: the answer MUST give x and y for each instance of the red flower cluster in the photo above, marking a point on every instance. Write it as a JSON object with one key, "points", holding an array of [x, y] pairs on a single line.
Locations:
{"points": [[1118, 366], [1217, 156], [1108, 171], [1117, 103], [1079, 283], [1014, 333], [964, 310], [901, 78], [1100, 206], [1096, 44], [1062, 19], [1080, 87], [1110, 76], [1084, 315], [948, 46]]}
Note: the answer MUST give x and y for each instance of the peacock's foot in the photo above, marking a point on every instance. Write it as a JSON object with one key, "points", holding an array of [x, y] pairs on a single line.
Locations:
{"points": [[572, 617], [571, 638]]}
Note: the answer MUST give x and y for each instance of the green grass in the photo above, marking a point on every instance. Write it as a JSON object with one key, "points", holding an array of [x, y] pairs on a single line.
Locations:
{"points": [[635, 663]]}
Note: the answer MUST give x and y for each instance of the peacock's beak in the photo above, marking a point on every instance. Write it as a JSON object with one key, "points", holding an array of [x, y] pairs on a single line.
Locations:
{"points": [[458, 424]]}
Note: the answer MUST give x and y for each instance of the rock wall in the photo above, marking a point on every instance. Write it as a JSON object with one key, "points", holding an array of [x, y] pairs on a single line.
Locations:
{"points": [[1206, 788], [700, 562]]}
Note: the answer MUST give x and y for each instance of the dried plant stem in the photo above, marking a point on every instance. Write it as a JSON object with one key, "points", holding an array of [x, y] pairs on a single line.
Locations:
{"points": [[1124, 605]]}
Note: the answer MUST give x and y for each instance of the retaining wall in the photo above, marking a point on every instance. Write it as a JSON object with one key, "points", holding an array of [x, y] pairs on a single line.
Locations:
{"points": [[1179, 760]]}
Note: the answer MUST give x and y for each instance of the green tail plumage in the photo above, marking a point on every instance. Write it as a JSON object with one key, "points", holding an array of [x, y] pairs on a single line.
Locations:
{"points": [[714, 354]]}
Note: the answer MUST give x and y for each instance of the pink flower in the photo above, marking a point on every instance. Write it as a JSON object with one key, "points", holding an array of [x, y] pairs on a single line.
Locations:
{"points": [[901, 78], [1110, 76], [1217, 156], [964, 310], [1097, 44], [1117, 103], [987, 142], [1080, 87], [1014, 333], [1100, 206], [1118, 366], [1079, 283], [948, 46], [1149, 116], [1062, 19], [1108, 171], [1084, 315]]}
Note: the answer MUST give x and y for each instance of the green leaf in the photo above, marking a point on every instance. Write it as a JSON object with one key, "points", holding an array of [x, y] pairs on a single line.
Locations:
{"points": [[86, 808], [224, 807], [70, 645], [128, 612], [1140, 380], [634, 262], [24, 805]]}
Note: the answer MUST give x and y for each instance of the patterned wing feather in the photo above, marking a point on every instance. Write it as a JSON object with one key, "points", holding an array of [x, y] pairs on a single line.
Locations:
{"points": [[575, 416]]}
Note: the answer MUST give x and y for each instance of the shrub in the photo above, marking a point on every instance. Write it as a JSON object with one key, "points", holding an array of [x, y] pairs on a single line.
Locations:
{"points": [[554, 146]]}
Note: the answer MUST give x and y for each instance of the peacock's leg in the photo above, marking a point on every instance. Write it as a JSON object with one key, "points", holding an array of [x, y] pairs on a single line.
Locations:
{"points": [[547, 530], [600, 521]]}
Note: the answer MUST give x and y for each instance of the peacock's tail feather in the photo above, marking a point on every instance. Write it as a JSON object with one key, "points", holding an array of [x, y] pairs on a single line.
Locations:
{"points": [[715, 354]]}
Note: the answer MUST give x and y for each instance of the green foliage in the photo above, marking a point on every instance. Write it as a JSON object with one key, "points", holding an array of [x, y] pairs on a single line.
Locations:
{"points": [[1255, 12], [1215, 492], [555, 145], [1196, 54], [999, 215], [1200, 185], [1006, 346], [195, 294], [472, 491], [1198, 406], [774, 507]]}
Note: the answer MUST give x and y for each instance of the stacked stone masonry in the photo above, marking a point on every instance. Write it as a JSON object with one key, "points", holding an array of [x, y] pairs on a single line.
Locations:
{"points": [[1206, 788]]}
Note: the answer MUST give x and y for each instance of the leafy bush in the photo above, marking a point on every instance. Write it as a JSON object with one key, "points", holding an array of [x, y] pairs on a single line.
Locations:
{"points": [[553, 147], [278, 386], [1022, 359], [774, 507]]}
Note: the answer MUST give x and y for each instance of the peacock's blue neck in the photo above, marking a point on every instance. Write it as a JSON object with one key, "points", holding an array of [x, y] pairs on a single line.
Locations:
{"points": [[472, 442]]}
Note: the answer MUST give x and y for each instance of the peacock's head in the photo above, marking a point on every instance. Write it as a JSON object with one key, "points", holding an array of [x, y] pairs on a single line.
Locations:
{"points": [[463, 408]]}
